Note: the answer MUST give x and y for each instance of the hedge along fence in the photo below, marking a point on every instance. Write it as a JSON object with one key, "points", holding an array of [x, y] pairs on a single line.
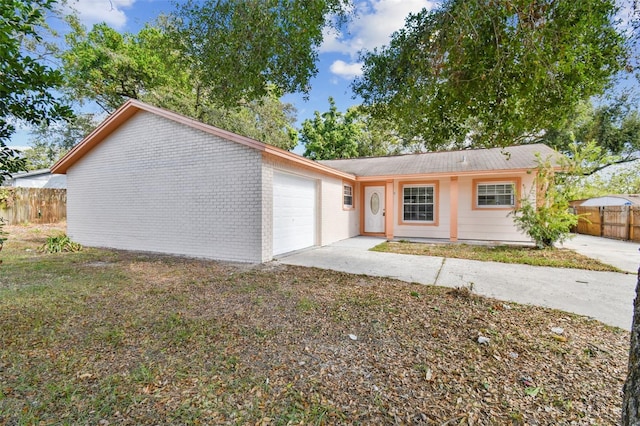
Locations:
{"points": [[619, 222], [33, 205]]}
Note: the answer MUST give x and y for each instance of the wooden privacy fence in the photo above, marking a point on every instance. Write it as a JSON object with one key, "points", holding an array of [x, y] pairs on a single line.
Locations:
{"points": [[33, 205], [619, 222]]}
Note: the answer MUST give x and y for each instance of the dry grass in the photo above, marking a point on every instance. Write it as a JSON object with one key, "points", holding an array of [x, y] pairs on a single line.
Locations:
{"points": [[557, 258], [114, 337]]}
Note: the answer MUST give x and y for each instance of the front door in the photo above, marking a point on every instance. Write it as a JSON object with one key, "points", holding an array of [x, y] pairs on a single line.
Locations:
{"points": [[374, 209]]}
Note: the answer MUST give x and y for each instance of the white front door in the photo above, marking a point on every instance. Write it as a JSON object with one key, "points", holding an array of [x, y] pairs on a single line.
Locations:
{"points": [[374, 209]]}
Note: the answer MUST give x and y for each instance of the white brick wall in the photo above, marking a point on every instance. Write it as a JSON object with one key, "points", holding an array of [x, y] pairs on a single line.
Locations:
{"points": [[156, 185]]}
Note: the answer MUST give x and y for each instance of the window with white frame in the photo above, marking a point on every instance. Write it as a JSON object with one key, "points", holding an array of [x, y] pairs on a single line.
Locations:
{"points": [[418, 203], [502, 194], [347, 196]]}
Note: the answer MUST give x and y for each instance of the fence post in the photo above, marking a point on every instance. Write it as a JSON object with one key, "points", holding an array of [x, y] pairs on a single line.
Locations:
{"points": [[631, 224]]}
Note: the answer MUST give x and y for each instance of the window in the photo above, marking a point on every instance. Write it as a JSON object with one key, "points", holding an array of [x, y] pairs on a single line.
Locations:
{"points": [[418, 203], [347, 196], [496, 194]]}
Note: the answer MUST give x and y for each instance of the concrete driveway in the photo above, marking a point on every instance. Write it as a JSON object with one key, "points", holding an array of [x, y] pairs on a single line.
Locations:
{"points": [[622, 254], [605, 296]]}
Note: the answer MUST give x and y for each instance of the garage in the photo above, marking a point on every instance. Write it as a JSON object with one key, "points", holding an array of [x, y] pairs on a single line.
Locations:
{"points": [[294, 213]]}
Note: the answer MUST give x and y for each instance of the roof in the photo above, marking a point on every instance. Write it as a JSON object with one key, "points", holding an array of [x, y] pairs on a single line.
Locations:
{"points": [[612, 200], [521, 157], [31, 173], [132, 107]]}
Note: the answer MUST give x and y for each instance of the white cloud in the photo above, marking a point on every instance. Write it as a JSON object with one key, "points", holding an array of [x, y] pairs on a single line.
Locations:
{"points": [[93, 11], [372, 26], [345, 70]]}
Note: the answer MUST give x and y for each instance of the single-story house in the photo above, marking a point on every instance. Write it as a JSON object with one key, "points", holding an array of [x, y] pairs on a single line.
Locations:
{"points": [[42, 178], [152, 180]]}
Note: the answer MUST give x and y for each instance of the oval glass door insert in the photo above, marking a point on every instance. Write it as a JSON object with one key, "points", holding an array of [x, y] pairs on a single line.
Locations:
{"points": [[375, 203]]}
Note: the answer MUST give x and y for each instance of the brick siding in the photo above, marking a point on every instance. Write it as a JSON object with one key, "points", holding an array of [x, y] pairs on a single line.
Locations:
{"points": [[157, 185]]}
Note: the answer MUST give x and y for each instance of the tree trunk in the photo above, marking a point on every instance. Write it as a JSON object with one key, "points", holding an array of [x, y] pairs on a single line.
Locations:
{"points": [[631, 398]]}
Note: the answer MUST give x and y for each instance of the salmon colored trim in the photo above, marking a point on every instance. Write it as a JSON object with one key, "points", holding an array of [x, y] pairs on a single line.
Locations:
{"points": [[353, 196], [432, 176], [362, 209], [388, 219], [453, 209], [436, 202], [516, 182], [132, 106]]}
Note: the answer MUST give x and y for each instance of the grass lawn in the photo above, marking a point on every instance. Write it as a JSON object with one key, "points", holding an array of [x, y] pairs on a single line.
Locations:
{"points": [[111, 337], [557, 258]]}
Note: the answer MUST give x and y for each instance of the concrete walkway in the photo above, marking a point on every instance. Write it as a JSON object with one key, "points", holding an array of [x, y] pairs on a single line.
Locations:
{"points": [[605, 296]]}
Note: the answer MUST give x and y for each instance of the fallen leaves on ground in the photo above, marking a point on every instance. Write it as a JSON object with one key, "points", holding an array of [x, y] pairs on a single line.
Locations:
{"points": [[114, 337]]}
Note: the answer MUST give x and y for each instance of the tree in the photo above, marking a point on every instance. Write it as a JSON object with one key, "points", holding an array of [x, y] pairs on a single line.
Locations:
{"points": [[331, 134], [239, 49], [613, 126], [478, 73], [107, 67], [50, 142], [631, 398], [27, 85], [378, 136]]}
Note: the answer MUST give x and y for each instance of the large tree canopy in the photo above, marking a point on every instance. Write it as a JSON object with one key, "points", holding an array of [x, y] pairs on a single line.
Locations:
{"points": [[108, 67], [26, 84], [478, 73], [240, 48]]}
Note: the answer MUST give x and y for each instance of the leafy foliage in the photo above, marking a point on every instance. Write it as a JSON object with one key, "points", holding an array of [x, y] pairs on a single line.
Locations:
{"points": [[59, 244], [26, 86], [614, 127], [50, 142], [107, 67], [240, 48], [356, 133], [492, 73], [331, 134], [546, 220]]}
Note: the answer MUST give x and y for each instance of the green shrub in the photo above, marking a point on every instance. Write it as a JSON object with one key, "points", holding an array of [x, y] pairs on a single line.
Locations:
{"points": [[548, 219], [60, 243]]}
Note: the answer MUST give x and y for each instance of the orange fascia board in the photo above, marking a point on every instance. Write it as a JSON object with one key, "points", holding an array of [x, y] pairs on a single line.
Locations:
{"points": [[443, 175], [132, 106]]}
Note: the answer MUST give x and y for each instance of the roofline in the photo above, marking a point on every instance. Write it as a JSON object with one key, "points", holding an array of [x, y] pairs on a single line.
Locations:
{"points": [[30, 173], [133, 106], [378, 178]]}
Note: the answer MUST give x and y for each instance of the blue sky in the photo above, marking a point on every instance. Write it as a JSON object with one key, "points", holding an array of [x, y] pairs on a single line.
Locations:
{"points": [[374, 22]]}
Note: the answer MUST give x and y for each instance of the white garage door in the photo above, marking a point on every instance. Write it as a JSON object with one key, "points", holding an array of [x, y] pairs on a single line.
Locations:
{"points": [[294, 213]]}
